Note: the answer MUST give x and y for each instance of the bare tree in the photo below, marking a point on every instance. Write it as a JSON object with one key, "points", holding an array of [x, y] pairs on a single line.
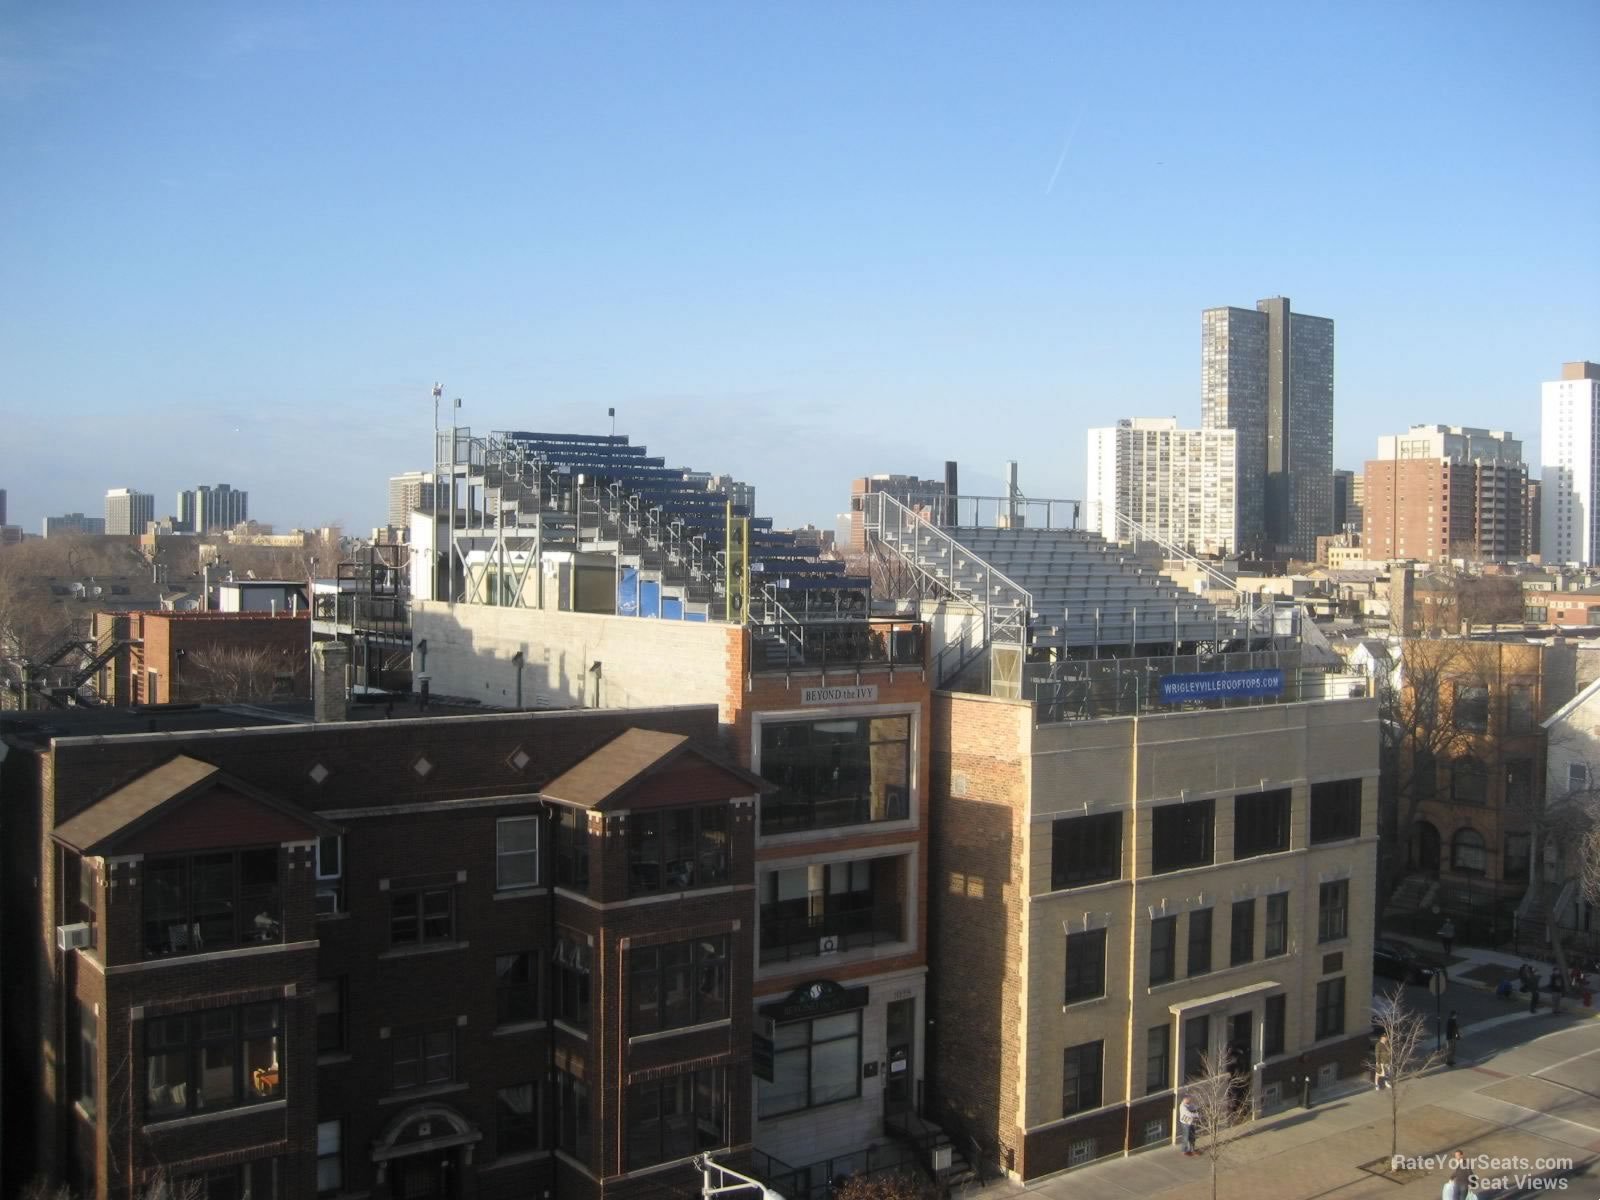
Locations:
{"points": [[1221, 1120], [1401, 1054], [223, 674], [896, 1186]]}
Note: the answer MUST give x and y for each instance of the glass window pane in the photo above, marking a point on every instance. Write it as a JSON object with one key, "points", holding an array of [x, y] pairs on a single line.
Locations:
{"points": [[835, 1070]]}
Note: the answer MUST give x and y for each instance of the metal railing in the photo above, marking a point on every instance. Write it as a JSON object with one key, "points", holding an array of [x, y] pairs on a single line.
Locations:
{"points": [[784, 939], [819, 1180], [792, 644], [791, 814]]}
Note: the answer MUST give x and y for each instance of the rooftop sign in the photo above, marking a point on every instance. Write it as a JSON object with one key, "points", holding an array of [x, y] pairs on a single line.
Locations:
{"points": [[1221, 685]]}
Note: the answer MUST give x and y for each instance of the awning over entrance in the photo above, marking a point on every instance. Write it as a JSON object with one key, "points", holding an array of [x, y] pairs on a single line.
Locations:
{"points": [[1220, 998]]}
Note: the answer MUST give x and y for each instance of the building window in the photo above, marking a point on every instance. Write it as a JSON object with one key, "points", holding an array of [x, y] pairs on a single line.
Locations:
{"points": [[1158, 1059], [1260, 823], [1468, 855], [330, 1015], [814, 1063], [214, 1059], [675, 1117], [570, 961], [831, 907], [1518, 855], [838, 771], [256, 1180], [1163, 950], [1333, 910], [1181, 836], [421, 916], [516, 859], [1471, 709], [1196, 1042], [1520, 712], [330, 875], [1519, 782], [1086, 965], [516, 1120], [211, 902], [1335, 810], [1277, 925], [1330, 1008], [1199, 941], [330, 1158], [423, 1059], [678, 985], [672, 849], [516, 988], [1468, 781], [572, 849], [87, 1077], [572, 1126], [1273, 1025], [1085, 850], [1242, 944], [1080, 1077]]}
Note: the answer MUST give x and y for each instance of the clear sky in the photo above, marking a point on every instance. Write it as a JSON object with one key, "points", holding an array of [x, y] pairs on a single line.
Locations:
{"points": [[798, 242]]}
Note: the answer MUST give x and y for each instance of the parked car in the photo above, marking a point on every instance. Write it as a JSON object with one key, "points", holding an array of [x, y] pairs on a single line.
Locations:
{"points": [[1396, 960]]}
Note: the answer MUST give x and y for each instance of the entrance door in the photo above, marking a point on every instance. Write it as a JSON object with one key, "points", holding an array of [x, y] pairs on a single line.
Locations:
{"points": [[900, 1037], [1425, 853], [427, 1176], [1237, 1058]]}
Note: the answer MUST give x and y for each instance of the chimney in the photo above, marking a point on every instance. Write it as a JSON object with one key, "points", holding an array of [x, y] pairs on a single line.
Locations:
{"points": [[330, 685], [951, 491]]}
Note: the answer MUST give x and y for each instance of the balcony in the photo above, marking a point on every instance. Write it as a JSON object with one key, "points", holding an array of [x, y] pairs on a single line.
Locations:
{"points": [[832, 908], [791, 938]]}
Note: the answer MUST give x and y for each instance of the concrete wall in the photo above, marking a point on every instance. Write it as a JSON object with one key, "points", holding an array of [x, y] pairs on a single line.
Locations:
{"points": [[642, 663]]}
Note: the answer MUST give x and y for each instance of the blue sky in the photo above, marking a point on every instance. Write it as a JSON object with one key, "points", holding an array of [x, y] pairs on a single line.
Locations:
{"points": [[796, 242]]}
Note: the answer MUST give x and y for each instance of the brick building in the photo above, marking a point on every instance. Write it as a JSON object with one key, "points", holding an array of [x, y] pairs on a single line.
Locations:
{"points": [[1134, 891], [1442, 492], [484, 956], [180, 657]]}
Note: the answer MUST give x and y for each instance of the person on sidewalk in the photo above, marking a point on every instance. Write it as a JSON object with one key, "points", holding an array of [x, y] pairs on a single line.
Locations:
{"points": [[1188, 1122], [1452, 1035], [1447, 935], [1558, 988], [1533, 990], [1382, 1060]]}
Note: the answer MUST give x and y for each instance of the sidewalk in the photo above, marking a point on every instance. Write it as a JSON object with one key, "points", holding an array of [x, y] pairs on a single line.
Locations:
{"points": [[1539, 1100], [1475, 967]]}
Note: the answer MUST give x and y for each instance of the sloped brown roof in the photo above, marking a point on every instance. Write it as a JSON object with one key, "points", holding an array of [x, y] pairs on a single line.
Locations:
{"points": [[117, 815], [627, 760]]}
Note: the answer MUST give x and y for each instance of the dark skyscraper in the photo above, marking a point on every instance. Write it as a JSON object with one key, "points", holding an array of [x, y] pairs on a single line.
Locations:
{"points": [[1268, 373]]}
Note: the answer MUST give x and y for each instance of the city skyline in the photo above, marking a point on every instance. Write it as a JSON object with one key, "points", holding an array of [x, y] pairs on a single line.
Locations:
{"points": [[742, 230]]}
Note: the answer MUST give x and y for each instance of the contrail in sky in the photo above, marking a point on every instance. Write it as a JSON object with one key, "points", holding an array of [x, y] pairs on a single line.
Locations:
{"points": [[1071, 133]]}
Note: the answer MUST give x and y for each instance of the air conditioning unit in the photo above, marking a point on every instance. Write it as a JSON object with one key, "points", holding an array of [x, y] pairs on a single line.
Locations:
{"points": [[942, 1157], [327, 901], [828, 944], [72, 937]]}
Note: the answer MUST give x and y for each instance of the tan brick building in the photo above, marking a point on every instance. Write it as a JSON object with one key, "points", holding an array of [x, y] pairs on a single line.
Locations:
{"points": [[1132, 891]]}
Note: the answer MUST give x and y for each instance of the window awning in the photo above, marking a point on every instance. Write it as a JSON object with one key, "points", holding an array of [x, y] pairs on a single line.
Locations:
{"points": [[1238, 993]]}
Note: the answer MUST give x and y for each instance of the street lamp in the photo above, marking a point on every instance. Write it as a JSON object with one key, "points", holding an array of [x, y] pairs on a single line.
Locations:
{"points": [[719, 1185]]}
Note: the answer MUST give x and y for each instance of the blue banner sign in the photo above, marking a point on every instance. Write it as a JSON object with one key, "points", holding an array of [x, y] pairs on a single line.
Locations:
{"points": [[1221, 685]]}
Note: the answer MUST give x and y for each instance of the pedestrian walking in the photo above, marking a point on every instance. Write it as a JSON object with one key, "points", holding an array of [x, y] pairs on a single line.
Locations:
{"points": [[1452, 1035], [1558, 988], [1382, 1061], [1447, 935], [1188, 1122]]}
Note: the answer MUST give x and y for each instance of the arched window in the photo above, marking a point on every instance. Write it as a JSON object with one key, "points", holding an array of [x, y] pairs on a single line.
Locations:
{"points": [[1467, 854], [1468, 781]]}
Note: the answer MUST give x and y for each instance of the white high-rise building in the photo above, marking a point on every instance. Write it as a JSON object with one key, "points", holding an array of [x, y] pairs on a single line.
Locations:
{"points": [[1177, 485], [128, 512], [1569, 423]]}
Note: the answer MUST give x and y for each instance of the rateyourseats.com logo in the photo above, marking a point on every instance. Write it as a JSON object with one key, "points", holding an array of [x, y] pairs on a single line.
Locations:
{"points": [[1493, 1173]]}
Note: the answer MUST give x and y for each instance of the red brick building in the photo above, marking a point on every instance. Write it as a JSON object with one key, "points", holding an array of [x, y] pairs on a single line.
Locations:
{"points": [[485, 956], [177, 657]]}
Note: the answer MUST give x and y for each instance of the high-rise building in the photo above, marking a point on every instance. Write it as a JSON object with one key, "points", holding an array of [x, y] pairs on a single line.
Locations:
{"points": [[1268, 373], [128, 511], [212, 509], [1570, 465], [76, 522], [409, 492], [1175, 485], [2, 506], [1347, 488], [742, 494], [1446, 491]]}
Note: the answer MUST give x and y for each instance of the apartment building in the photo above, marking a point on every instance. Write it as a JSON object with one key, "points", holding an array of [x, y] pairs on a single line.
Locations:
{"points": [[487, 956], [1150, 479], [1569, 455], [158, 657], [128, 512], [1440, 492], [1140, 891]]}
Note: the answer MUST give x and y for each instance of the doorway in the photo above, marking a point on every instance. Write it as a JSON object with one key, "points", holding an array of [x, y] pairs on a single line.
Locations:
{"points": [[426, 1176], [900, 1041], [1425, 848]]}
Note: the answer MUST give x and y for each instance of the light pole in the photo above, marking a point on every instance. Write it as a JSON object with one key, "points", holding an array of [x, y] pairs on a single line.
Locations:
{"points": [[720, 1185], [311, 634]]}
